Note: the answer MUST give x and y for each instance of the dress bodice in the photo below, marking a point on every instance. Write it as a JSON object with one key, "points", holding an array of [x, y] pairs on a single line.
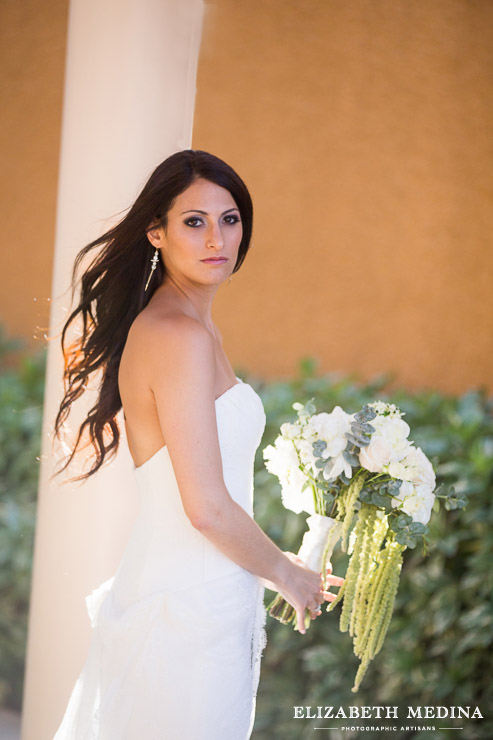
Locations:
{"points": [[163, 533]]}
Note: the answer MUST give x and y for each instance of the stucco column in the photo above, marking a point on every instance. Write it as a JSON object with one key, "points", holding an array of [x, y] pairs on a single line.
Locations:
{"points": [[128, 103]]}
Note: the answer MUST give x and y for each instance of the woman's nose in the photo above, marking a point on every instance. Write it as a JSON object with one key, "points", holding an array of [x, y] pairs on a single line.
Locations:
{"points": [[215, 237]]}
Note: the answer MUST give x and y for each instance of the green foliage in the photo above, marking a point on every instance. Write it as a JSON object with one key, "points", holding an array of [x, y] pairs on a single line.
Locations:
{"points": [[21, 393], [407, 531], [438, 650]]}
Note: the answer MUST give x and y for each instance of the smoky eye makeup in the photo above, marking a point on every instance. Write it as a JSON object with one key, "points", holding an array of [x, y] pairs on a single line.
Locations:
{"points": [[189, 221], [229, 218]]}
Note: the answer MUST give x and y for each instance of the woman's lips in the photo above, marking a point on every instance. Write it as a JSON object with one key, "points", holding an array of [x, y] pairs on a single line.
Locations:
{"points": [[218, 261]]}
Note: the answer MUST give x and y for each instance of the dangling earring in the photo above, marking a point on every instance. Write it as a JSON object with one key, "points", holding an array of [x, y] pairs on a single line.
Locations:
{"points": [[230, 279], [154, 261]]}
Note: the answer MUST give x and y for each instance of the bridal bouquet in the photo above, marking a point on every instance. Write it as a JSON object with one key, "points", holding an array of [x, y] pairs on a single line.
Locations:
{"points": [[356, 469]]}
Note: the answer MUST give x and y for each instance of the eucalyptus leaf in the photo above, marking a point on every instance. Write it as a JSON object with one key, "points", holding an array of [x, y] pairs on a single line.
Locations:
{"points": [[417, 528], [400, 522], [352, 459], [352, 439], [381, 500], [406, 538], [394, 486], [319, 446], [367, 428]]}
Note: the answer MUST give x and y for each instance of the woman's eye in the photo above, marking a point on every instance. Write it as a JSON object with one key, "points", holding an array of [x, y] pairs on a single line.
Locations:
{"points": [[193, 221]]}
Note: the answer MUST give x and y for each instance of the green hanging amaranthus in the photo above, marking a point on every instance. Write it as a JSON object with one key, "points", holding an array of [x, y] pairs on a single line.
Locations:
{"points": [[370, 585]]}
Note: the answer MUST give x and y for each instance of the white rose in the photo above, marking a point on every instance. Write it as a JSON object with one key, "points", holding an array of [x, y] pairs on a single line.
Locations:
{"points": [[374, 456]]}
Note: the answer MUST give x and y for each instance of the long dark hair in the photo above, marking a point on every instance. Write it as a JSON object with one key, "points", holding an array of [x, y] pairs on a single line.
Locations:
{"points": [[112, 292]]}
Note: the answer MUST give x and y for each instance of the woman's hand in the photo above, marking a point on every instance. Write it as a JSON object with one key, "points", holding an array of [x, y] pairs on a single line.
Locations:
{"points": [[303, 589]]}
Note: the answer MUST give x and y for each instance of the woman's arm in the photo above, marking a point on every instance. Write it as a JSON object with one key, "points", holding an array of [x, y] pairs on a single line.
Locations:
{"points": [[181, 369]]}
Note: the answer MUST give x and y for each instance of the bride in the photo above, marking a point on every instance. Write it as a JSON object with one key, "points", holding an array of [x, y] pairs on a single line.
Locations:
{"points": [[178, 631]]}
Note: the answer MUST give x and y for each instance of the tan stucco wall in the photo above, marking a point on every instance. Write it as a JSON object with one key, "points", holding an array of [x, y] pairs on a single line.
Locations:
{"points": [[362, 130], [32, 60]]}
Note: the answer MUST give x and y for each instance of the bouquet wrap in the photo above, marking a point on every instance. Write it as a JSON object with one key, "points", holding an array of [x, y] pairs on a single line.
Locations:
{"points": [[316, 550], [319, 541]]}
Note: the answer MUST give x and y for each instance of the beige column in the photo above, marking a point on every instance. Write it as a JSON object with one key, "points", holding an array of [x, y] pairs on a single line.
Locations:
{"points": [[128, 103]]}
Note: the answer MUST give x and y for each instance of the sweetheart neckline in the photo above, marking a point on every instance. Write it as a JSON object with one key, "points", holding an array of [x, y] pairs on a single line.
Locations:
{"points": [[164, 447]]}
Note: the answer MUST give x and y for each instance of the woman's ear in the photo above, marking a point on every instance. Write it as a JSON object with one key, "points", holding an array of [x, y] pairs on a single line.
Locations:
{"points": [[155, 235]]}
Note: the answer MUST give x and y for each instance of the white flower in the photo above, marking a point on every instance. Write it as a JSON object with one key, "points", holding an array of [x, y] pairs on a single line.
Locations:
{"points": [[420, 505], [293, 498], [406, 489], [281, 460], [305, 450], [414, 467], [290, 431], [374, 456], [422, 469], [336, 466], [400, 471], [415, 500], [332, 428], [395, 431], [279, 456], [387, 409]]}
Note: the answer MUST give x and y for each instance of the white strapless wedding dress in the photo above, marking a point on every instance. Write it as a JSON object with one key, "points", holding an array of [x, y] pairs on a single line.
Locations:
{"points": [[178, 632]]}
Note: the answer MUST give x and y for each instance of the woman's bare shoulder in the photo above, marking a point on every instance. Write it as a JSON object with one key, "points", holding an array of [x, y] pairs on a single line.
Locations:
{"points": [[170, 338], [173, 325]]}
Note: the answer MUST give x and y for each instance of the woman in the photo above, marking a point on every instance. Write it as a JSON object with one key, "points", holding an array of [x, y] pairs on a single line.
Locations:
{"points": [[179, 630]]}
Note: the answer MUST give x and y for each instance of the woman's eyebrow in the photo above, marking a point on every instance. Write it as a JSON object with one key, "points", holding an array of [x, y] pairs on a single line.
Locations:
{"points": [[196, 210]]}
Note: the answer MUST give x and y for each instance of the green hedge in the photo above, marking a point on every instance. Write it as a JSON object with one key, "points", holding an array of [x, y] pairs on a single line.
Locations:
{"points": [[21, 397], [439, 647]]}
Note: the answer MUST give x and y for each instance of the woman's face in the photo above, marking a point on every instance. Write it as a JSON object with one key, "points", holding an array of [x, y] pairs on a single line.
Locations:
{"points": [[202, 235]]}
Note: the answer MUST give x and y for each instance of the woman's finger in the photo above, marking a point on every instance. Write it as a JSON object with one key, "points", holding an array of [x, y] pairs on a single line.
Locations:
{"points": [[300, 621], [329, 596], [335, 580]]}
